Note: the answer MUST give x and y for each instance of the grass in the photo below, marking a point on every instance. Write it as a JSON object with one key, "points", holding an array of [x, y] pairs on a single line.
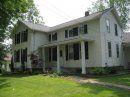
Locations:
{"points": [[120, 79], [45, 86]]}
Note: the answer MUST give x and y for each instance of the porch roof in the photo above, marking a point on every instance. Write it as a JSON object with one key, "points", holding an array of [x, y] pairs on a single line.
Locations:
{"points": [[72, 40]]}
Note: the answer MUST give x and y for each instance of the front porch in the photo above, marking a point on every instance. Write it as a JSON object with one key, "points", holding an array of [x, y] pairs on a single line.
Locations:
{"points": [[72, 55]]}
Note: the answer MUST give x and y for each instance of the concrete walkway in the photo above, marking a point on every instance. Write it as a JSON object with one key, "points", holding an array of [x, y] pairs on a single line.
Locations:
{"points": [[92, 81]]}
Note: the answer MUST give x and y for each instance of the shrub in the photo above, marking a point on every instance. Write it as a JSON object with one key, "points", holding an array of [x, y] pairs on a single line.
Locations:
{"points": [[96, 70], [104, 70]]}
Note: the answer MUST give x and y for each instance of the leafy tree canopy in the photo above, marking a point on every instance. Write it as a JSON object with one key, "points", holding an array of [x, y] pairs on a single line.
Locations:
{"points": [[10, 12], [119, 5]]}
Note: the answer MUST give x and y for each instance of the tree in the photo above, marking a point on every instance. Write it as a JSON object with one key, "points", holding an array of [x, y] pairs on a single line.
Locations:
{"points": [[10, 12], [119, 5]]}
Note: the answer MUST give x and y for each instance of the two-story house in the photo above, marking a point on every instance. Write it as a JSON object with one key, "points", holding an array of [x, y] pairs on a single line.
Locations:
{"points": [[94, 40]]}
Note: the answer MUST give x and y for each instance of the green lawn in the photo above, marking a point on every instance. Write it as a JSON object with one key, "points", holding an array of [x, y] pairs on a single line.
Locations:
{"points": [[44, 86], [121, 79]]}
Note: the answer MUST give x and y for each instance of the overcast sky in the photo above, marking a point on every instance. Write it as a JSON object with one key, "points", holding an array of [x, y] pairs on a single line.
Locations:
{"points": [[58, 11]]}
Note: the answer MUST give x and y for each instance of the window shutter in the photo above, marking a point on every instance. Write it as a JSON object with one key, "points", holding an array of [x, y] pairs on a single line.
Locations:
{"points": [[49, 54], [85, 29], [66, 50], [86, 51]]}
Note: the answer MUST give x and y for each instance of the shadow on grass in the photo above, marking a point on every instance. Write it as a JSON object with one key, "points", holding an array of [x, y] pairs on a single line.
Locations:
{"points": [[4, 83], [16, 75], [123, 79], [97, 90]]}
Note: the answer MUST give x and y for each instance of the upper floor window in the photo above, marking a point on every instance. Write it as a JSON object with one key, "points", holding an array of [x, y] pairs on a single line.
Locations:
{"points": [[17, 38], [116, 31], [72, 32], [49, 37], [109, 49], [75, 31], [24, 36], [108, 25], [85, 29], [21, 37], [66, 33], [52, 37]]}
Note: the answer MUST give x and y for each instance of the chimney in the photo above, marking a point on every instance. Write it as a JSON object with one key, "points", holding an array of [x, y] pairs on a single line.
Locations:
{"points": [[86, 13]]}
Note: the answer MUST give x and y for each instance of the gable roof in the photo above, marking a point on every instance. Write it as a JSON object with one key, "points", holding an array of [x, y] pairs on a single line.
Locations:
{"points": [[43, 28], [37, 27], [76, 21]]}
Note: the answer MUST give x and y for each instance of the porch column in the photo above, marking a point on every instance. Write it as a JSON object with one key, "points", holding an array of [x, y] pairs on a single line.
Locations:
{"points": [[83, 57], [43, 56], [58, 59]]}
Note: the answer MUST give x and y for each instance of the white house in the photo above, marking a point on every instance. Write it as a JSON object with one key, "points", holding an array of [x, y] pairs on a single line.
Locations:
{"points": [[94, 40]]}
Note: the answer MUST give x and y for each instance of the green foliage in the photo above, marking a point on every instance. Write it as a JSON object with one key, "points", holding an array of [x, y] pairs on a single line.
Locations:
{"points": [[119, 5], [11, 11]]}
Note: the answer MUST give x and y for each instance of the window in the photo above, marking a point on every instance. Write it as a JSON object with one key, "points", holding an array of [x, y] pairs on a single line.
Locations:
{"points": [[66, 33], [117, 50], [109, 49], [24, 36], [75, 31], [24, 55], [116, 32], [17, 56], [61, 53], [17, 38], [85, 29], [71, 33], [73, 51], [54, 54], [108, 25], [76, 49], [54, 37], [49, 37]]}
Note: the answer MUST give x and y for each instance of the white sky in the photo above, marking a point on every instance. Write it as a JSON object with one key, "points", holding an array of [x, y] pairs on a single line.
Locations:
{"points": [[58, 11]]}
